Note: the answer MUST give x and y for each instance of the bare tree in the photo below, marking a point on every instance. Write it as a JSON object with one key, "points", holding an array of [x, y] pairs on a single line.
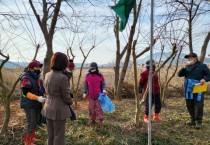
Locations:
{"points": [[204, 47], [126, 52], [6, 94], [192, 10], [167, 80], [50, 11], [85, 56], [36, 52]]}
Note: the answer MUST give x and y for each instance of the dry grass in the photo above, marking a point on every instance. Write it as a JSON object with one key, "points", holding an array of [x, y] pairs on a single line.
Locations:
{"points": [[175, 86], [119, 128]]}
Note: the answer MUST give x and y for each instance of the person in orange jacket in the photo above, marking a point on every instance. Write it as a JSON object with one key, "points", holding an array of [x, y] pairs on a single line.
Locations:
{"points": [[31, 99], [155, 92]]}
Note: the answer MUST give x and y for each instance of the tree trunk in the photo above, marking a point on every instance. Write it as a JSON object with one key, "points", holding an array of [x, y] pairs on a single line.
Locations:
{"points": [[78, 82], [165, 85], [137, 116], [122, 75], [48, 56], [6, 93], [116, 77], [190, 35], [127, 49], [118, 59], [7, 115], [204, 47], [125, 65]]}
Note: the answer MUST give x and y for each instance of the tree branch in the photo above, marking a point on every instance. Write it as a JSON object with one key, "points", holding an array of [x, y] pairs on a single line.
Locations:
{"points": [[196, 10], [55, 16], [13, 87], [174, 51], [35, 13], [3, 62], [146, 49], [4, 87], [36, 52], [182, 5]]}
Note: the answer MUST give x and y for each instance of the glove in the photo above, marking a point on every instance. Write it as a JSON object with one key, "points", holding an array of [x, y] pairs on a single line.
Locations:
{"points": [[84, 95], [41, 99], [202, 81], [105, 92]]}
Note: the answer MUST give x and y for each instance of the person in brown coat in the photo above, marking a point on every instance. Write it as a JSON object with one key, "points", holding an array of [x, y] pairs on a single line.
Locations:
{"points": [[56, 108]]}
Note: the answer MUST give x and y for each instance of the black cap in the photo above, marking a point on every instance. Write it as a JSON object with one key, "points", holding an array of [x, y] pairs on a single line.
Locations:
{"points": [[148, 62], [191, 55], [94, 65]]}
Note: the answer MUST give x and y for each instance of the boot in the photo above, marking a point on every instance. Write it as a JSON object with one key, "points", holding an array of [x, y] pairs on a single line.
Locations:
{"points": [[190, 122], [157, 117], [26, 139], [146, 118], [197, 125], [31, 139], [34, 139]]}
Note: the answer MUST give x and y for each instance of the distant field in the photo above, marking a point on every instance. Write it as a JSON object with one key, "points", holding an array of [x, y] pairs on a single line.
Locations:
{"points": [[176, 84]]}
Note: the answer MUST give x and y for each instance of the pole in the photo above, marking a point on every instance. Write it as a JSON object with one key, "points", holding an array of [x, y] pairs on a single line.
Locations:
{"points": [[150, 75]]}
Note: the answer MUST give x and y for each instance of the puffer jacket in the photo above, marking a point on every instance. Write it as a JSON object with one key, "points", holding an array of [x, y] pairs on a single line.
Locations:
{"points": [[94, 84], [30, 82], [144, 80], [197, 72]]}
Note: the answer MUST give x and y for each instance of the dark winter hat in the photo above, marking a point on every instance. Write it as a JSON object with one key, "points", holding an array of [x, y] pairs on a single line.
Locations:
{"points": [[191, 55], [94, 65], [148, 62], [34, 63]]}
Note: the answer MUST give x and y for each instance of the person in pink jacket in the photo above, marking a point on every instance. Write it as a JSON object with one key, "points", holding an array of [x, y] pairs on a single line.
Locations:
{"points": [[94, 85]]}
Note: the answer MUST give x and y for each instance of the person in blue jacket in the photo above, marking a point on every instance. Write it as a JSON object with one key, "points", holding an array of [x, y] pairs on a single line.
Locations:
{"points": [[194, 72]]}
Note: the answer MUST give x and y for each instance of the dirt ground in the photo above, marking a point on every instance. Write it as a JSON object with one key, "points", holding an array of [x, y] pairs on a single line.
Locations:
{"points": [[17, 123]]}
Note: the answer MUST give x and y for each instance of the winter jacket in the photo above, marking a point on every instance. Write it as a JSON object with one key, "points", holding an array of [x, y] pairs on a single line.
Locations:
{"points": [[193, 75], [57, 87], [30, 82], [197, 72], [94, 84], [144, 80]]}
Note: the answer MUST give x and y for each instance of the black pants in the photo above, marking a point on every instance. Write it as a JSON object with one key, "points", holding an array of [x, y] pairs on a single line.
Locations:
{"points": [[32, 118], [195, 108], [156, 101]]}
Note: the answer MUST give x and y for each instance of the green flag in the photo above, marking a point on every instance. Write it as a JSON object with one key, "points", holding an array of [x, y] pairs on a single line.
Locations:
{"points": [[123, 9]]}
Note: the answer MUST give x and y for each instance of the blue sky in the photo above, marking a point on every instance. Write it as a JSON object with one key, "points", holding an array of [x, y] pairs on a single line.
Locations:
{"points": [[21, 48]]}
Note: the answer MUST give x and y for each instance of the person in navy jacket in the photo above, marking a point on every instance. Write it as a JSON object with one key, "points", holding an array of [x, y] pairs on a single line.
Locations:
{"points": [[194, 72], [32, 92]]}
